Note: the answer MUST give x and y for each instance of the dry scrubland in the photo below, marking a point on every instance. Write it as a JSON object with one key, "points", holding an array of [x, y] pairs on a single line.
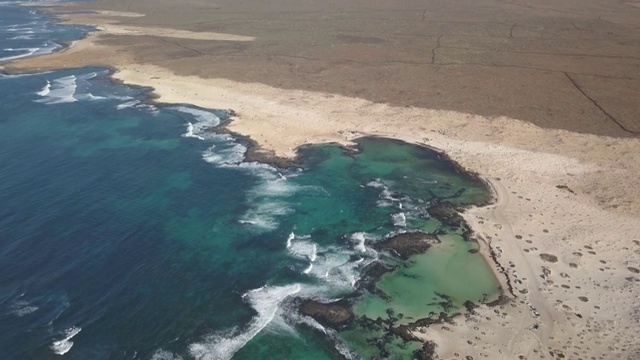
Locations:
{"points": [[539, 97]]}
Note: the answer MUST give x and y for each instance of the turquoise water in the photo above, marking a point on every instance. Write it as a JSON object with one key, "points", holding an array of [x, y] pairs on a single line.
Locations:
{"points": [[132, 231]]}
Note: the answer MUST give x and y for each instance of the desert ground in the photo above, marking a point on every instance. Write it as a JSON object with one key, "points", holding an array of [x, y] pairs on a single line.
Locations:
{"points": [[540, 98]]}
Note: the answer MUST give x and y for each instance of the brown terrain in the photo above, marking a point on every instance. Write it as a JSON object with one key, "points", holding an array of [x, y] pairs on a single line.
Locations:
{"points": [[541, 98], [567, 64]]}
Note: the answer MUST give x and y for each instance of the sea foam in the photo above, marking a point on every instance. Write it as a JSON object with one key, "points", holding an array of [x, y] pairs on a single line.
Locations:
{"points": [[27, 52], [264, 216], [265, 302], [45, 90], [165, 355], [127, 104], [359, 239], [203, 121], [59, 91], [221, 155], [399, 220], [63, 346], [303, 248], [22, 308]]}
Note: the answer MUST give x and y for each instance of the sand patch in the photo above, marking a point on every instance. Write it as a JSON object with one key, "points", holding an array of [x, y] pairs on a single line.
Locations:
{"points": [[112, 29], [120, 13]]}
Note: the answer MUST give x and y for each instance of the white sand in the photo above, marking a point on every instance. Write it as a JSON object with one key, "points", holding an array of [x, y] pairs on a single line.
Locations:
{"points": [[171, 33], [120, 13]]}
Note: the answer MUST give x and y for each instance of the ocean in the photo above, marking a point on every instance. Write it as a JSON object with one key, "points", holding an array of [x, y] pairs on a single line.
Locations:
{"points": [[133, 230]]}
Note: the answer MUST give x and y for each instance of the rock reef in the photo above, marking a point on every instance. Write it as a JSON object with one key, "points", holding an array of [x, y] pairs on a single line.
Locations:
{"points": [[407, 244], [334, 315]]}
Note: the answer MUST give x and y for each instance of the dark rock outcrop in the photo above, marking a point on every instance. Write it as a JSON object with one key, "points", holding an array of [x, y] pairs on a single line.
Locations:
{"points": [[446, 213], [407, 244], [370, 276], [335, 315], [427, 352]]}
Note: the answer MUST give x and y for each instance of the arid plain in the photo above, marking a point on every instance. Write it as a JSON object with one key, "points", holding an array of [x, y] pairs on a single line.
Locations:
{"points": [[541, 98]]}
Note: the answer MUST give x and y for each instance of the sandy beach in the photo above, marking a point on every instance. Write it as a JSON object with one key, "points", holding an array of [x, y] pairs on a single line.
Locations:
{"points": [[565, 226]]}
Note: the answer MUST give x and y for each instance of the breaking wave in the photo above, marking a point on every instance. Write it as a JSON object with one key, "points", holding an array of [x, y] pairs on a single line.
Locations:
{"points": [[59, 91], [203, 121], [165, 355], [22, 308], [63, 346], [25, 52], [264, 301]]}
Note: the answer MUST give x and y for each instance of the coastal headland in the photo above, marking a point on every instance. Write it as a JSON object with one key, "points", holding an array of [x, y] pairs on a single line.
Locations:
{"points": [[539, 98]]}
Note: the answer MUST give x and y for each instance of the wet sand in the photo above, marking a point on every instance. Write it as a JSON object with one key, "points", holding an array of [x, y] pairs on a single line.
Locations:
{"points": [[538, 98]]}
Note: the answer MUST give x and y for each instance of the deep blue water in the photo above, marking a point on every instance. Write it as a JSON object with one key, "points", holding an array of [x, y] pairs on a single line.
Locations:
{"points": [[132, 231], [27, 32]]}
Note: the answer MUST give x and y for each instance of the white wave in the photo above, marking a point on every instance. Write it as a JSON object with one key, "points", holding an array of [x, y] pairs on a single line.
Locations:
{"points": [[63, 346], [83, 86], [27, 52], [151, 109], [91, 75], [7, 76], [61, 91], [202, 116], [190, 133], [304, 249], [263, 171], [289, 238], [45, 90], [386, 198], [275, 187], [25, 310], [399, 219], [90, 96], [230, 156], [21, 37], [314, 253], [359, 239], [22, 308], [343, 349], [335, 268], [377, 183], [204, 120], [47, 49], [308, 269], [165, 355], [127, 104], [267, 197], [265, 301], [226, 152], [264, 216]]}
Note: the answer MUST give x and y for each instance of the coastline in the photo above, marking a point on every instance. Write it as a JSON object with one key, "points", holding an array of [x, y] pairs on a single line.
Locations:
{"points": [[526, 166]]}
